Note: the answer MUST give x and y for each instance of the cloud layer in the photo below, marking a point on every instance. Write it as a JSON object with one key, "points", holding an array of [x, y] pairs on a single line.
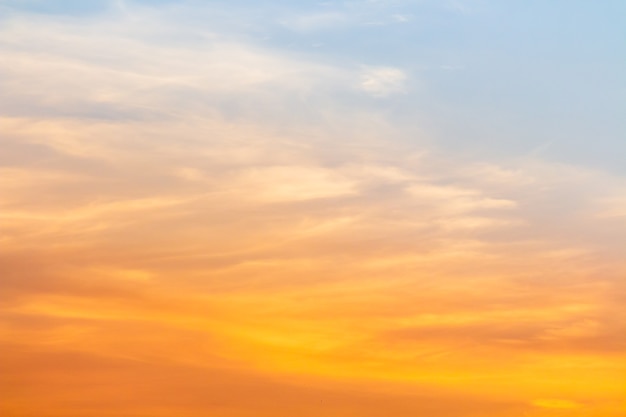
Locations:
{"points": [[216, 227]]}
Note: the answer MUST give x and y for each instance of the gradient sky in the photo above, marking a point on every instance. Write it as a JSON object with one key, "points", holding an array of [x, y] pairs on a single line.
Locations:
{"points": [[273, 208]]}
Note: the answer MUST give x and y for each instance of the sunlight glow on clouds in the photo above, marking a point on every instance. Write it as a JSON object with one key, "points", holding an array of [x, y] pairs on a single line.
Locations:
{"points": [[195, 222]]}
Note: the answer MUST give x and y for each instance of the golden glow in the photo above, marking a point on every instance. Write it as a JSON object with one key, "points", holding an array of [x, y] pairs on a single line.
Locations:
{"points": [[172, 289]]}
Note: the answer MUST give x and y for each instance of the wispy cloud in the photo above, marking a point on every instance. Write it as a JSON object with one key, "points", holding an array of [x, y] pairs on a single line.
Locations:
{"points": [[184, 225], [383, 81]]}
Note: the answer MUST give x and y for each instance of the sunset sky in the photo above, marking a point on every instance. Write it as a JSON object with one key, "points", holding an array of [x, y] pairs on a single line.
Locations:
{"points": [[272, 208]]}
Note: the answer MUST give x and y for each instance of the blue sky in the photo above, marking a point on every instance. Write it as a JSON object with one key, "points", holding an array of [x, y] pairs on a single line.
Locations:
{"points": [[484, 77]]}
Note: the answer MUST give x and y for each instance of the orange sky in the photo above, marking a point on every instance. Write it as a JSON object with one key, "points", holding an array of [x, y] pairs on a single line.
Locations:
{"points": [[194, 263], [233, 272]]}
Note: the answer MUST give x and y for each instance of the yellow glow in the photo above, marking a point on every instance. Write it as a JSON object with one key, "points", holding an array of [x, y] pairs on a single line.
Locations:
{"points": [[558, 404]]}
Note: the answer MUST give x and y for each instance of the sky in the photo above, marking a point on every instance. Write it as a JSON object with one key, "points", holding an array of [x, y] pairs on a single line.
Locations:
{"points": [[269, 208]]}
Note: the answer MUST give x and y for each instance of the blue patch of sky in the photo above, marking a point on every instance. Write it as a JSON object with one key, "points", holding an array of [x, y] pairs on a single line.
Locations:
{"points": [[546, 76], [530, 77]]}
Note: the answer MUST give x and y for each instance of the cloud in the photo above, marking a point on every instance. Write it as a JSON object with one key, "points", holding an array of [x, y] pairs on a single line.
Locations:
{"points": [[383, 81], [176, 215], [402, 18], [108, 69], [295, 183]]}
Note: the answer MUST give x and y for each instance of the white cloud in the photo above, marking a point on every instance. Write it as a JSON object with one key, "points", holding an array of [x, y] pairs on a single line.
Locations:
{"points": [[402, 18], [383, 81]]}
